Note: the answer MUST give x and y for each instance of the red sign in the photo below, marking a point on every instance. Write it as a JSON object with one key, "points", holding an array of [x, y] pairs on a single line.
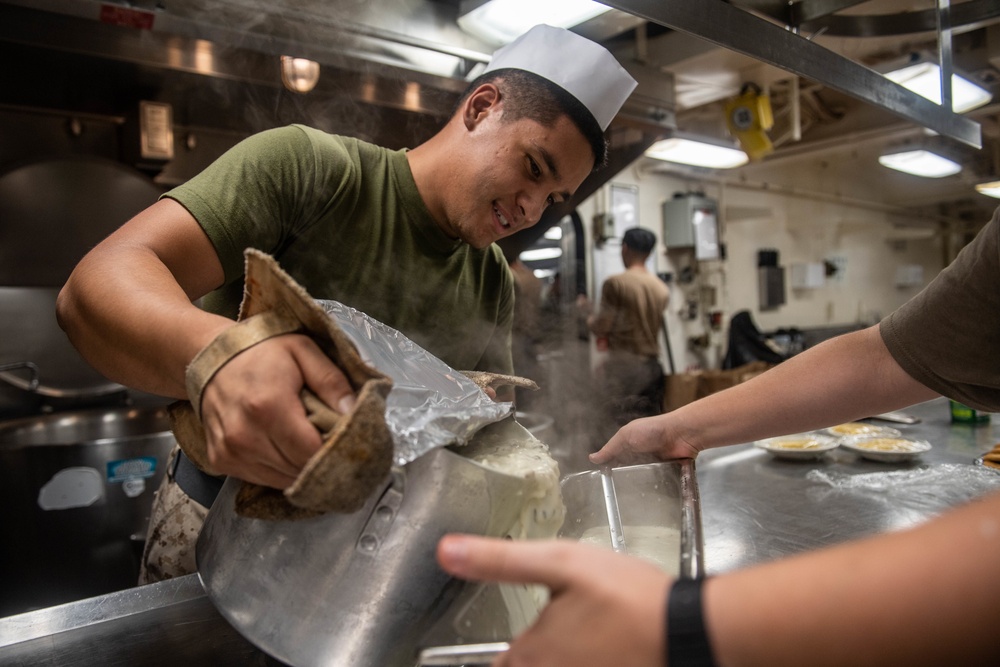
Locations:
{"points": [[127, 17]]}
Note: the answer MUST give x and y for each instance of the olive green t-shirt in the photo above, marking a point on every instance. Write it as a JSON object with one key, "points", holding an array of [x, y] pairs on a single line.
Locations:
{"points": [[947, 337], [345, 219]]}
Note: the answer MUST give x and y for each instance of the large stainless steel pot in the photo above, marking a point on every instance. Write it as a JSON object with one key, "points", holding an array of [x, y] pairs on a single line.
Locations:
{"points": [[364, 588], [40, 371], [76, 489]]}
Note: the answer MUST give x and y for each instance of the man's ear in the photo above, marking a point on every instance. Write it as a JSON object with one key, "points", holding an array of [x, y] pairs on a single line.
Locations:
{"points": [[480, 103]]}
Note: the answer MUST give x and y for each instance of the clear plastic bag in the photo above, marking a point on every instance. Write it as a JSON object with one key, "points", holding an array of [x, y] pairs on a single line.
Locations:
{"points": [[431, 404], [931, 489]]}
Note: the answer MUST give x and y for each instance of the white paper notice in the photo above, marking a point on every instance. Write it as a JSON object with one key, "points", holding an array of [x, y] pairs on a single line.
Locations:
{"points": [[71, 487]]}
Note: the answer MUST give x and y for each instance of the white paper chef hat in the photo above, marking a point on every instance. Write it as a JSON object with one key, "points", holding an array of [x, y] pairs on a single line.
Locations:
{"points": [[584, 69]]}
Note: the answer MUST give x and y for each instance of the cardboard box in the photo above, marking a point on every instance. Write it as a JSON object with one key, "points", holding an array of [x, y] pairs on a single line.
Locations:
{"points": [[684, 388]]}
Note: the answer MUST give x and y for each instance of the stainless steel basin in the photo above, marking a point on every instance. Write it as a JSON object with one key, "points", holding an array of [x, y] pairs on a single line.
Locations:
{"points": [[76, 490], [661, 496]]}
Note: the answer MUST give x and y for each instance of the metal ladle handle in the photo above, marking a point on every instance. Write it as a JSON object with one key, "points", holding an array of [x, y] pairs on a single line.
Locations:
{"points": [[611, 506], [463, 654]]}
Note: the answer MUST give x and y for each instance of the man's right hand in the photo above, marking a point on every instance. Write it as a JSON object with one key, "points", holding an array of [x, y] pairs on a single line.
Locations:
{"points": [[255, 424], [642, 439]]}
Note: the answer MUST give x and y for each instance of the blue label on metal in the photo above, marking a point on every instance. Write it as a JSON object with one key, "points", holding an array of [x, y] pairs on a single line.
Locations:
{"points": [[119, 471]]}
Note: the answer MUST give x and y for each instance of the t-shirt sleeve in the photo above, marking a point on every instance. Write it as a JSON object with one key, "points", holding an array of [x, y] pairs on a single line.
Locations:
{"points": [[947, 336], [260, 193]]}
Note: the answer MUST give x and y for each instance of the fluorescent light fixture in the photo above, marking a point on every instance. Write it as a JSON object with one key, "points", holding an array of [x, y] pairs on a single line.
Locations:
{"points": [[537, 254], [924, 78], [553, 233], [920, 162], [991, 189], [697, 153], [502, 21]]}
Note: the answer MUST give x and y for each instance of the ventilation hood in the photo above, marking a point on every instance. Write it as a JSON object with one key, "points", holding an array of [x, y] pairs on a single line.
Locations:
{"points": [[392, 70]]}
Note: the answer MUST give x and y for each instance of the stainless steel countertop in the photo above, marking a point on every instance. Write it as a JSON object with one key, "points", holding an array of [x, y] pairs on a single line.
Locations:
{"points": [[754, 509]]}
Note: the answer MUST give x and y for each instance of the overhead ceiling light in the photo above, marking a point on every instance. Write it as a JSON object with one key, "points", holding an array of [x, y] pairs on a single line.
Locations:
{"points": [[920, 162], [924, 78], [990, 189], [539, 254], [300, 75], [553, 233], [697, 152], [502, 21]]}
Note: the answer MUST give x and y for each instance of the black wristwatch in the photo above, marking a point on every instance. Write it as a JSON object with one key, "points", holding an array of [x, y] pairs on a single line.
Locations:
{"points": [[687, 641]]}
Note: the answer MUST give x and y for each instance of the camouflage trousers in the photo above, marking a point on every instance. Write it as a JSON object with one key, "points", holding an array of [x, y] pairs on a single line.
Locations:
{"points": [[174, 525]]}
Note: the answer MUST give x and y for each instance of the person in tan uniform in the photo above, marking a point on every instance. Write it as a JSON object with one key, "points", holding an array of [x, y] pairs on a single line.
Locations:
{"points": [[629, 317]]}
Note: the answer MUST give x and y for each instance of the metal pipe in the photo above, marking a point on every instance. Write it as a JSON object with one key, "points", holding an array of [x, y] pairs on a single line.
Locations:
{"points": [[944, 50], [796, 110]]}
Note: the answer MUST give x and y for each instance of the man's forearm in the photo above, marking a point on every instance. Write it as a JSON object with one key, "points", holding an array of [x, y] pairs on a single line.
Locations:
{"points": [[828, 384], [126, 314]]}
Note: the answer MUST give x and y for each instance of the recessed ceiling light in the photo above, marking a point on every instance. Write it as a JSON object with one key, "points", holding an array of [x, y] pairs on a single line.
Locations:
{"points": [[990, 189], [920, 162], [538, 254], [502, 21], [924, 78], [697, 153]]}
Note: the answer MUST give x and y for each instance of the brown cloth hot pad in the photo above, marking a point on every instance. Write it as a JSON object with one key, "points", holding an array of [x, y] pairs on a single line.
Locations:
{"points": [[357, 449]]}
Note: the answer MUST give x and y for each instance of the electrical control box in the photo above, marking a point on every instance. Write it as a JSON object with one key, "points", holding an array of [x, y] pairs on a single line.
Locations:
{"points": [[692, 221]]}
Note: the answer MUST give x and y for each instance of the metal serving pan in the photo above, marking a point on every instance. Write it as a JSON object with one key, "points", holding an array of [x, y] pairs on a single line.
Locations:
{"points": [[661, 495]]}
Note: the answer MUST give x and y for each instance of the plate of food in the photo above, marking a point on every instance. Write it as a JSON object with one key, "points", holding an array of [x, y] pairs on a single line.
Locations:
{"points": [[861, 429], [990, 459], [799, 446], [886, 448]]}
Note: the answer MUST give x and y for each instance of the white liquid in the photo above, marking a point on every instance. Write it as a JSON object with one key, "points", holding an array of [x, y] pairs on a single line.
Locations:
{"points": [[657, 544]]}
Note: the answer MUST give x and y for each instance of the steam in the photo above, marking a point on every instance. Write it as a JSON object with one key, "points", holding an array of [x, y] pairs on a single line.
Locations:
{"points": [[363, 86]]}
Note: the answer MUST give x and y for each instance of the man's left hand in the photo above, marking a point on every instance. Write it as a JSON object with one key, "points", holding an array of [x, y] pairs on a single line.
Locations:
{"points": [[604, 608]]}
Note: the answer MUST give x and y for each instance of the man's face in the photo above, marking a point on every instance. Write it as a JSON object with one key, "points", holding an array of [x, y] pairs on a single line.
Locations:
{"points": [[513, 171]]}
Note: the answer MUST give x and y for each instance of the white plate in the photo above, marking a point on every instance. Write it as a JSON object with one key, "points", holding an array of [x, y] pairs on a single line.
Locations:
{"points": [[799, 446], [886, 449], [861, 429]]}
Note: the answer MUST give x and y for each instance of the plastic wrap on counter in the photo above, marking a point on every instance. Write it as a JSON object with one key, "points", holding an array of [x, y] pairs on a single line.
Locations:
{"points": [[431, 404], [933, 487]]}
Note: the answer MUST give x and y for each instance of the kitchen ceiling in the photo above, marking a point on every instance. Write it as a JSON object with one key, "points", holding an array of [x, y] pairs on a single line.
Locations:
{"points": [[836, 128], [409, 59]]}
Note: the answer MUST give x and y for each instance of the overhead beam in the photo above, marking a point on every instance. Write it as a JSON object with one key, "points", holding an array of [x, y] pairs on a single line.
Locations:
{"points": [[965, 16], [738, 30]]}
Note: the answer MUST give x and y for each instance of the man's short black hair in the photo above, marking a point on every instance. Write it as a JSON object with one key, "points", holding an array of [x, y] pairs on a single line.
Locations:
{"points": [[527, 95], [640, 240]]}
